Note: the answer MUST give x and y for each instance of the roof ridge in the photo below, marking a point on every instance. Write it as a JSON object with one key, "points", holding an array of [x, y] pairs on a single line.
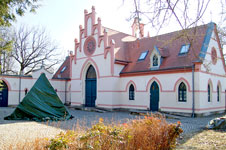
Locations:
{"points": [[178, 30], [118, 31]]}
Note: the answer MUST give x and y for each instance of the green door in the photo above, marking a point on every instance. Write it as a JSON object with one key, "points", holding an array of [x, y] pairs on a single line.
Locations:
{"points": [[90, 87], [154, 97], [3, 94]]}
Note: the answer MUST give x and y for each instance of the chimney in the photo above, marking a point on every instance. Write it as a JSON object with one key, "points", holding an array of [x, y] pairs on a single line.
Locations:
{"points": [[71, 53], [137, 28]]}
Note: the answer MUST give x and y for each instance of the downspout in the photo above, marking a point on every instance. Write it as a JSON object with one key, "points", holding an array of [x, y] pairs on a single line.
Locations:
{"points": [[19, 86], [193, 91], [65, 92], [225, 99]]}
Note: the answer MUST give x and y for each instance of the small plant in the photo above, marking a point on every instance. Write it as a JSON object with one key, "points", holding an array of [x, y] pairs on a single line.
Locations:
{"points": [[102, 136], [153, 133], [62, 140], [150, 133]]}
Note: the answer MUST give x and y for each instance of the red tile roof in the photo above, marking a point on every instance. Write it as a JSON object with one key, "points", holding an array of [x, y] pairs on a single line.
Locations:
{"points": [[169, 46], [120, 39], [128, 50], [64, 71]]}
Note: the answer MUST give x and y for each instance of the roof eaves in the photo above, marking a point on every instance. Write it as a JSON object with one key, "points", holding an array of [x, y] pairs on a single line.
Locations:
{"points": [[117, 31], [61, 78], [9, 75], [198, 61], [163, 69], [123, 62]]}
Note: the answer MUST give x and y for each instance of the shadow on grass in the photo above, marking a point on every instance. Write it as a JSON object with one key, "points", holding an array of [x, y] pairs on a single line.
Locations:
{"points": [[6, 111], [184, 138], [203, 139]]}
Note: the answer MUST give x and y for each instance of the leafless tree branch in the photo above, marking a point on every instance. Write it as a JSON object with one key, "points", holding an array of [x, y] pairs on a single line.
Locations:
{"points": [[33, 48]]}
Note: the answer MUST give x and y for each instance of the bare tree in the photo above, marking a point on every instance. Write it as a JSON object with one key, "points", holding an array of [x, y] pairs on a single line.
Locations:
{"points": [[221, 28], [33, 48], [186, 13], [183, 14]]}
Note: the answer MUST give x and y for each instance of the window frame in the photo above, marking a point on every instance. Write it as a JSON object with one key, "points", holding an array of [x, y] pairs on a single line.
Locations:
{"points": [[155, 56], [63, 69], [131, 92], [187, 49], [209, 92], [218, 93], [183, 92], [143, 58]]}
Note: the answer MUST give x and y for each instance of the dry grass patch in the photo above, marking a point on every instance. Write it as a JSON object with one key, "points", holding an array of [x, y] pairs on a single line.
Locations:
{"points": [[18, 135], [207, 139], [35, 144]]}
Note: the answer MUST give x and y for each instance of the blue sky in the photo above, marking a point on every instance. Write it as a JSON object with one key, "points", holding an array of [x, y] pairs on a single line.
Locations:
{"points": [[61, 19]]}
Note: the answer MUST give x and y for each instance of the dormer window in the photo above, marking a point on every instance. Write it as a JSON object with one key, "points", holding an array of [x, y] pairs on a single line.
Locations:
{"points": [[65, 67], [155, 61], [184, 49], [143, 55]]}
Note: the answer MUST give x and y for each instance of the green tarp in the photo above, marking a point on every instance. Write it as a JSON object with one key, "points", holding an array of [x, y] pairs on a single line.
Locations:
{"points": [[40, 104]]}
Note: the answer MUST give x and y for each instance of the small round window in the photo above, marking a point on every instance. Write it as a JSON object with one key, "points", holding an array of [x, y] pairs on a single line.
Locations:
{"points": [[89, 46]]}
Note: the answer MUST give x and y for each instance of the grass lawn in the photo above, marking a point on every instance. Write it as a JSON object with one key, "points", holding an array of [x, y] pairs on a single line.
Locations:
{"points": [[204, 140]]}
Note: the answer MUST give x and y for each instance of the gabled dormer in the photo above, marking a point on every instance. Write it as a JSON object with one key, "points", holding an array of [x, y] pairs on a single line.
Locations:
{"points": [[155, 58]]}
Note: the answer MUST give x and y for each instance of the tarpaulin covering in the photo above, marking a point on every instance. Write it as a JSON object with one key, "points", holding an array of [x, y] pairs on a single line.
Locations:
{"points": [[40, 104]]}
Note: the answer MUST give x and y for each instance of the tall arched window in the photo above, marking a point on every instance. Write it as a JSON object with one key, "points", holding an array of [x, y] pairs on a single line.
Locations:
{"points": [[155, 60], [182, 92], [131, 92], [91, 73], [218, 93], [209, 93]]}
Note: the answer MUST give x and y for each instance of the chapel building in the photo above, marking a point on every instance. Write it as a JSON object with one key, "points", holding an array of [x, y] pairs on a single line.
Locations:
{"points": [[179, 72]]}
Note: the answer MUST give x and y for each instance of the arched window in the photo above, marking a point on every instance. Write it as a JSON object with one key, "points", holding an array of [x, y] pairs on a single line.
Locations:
{"points": [[131, 92], [218, 93], [182, 92], [209, 93], [91, 73], [155, 61]]}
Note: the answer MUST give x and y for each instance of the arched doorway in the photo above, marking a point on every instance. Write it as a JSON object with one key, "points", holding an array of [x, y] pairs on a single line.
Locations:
{"points": [[154, 97], [3, 94], [90, 87]]}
